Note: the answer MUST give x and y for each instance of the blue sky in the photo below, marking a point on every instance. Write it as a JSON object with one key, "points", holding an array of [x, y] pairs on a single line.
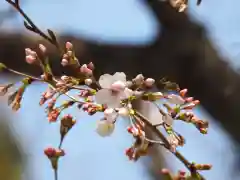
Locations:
{"points": [[125, 21]]}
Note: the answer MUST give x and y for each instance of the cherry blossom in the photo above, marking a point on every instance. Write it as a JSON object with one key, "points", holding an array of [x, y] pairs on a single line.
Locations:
{"points": [[114, 90], [105, 128]]}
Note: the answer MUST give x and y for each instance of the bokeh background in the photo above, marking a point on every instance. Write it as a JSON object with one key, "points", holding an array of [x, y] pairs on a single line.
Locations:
{"points": [[89, 156]]}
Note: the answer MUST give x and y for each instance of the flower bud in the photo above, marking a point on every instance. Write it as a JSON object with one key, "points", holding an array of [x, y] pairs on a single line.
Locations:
{"points": [[91, 66], [118, 86], [28, 51], [149, 82], [138, 80], [183, 92], [88, 81], [64, 62], [85, 70], [69, 46], [42, 48], [30, 59]]}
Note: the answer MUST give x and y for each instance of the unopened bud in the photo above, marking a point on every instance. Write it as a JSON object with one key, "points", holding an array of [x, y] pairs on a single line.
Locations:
{"points": [[30, 59], [42, 48], [88, 82], [64, 62], [149, 82], [69, 46]]}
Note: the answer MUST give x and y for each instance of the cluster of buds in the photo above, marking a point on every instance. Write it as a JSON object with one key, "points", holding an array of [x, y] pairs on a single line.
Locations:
{"points": [[141, 82], [189, 117], [174, 139], [31, 56], [69, 57], [86, 93], [53, 113], [140, 146], [48, 94], [181, 175], [54, 155], [92, 108], [114, 96]]}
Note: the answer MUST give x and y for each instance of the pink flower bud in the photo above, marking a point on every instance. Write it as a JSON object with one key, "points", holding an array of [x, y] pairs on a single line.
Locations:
{"points": [[30, 59], [183, 92], [91, 66], [189, 99], [118, 86], [64, 62], [149, 82], [85, 70], [69, 46], [42, 48], [34, 54], [138, 79], [28, 51], [88, 82]]}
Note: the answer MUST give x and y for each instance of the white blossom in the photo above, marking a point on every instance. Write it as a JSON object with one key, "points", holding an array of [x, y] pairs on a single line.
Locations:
{"points": [[110, 114], [114, 90], [105, 128]]}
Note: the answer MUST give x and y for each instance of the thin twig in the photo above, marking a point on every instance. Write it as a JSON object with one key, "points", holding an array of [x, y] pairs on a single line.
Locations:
{"points": [[55, 174]]}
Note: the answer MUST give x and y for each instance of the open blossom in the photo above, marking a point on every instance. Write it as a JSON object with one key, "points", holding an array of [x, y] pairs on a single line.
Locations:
{"points": [[114, 90], [105, 127]]}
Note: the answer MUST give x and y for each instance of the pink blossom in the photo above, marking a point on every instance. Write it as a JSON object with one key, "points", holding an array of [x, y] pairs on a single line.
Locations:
{"points": [[30, 59], [85, 70], [69, 46]]}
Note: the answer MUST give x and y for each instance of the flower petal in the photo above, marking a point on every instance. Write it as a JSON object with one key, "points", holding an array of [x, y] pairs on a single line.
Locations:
{"points": [[120, 76], [106, 81], [105, 96], [104, 128], [149, 110], [110, 114], [126, 93]]}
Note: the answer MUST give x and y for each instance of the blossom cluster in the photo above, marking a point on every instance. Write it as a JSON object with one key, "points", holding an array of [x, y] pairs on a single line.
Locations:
{"points": [[115, 96]]}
